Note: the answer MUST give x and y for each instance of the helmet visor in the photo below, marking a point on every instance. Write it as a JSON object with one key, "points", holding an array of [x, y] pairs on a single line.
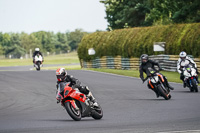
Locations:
{"points": [[60, 77], [183, 58], [144, 60]]}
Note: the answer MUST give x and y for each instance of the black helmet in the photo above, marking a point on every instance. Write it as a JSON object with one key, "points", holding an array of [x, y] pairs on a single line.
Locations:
{"points": [[144, 58]]}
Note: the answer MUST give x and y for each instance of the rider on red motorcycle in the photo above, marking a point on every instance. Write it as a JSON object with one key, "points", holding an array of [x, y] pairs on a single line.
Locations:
{"points": [[145, 64], [63, 78]]}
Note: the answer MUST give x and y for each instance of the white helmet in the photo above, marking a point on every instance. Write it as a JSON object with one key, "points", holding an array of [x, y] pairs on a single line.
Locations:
{"points": [[37, 49], [61, 73], [183, 55]]}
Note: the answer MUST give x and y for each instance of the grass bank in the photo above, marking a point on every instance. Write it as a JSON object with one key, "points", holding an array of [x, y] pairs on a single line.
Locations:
{"points": [[68, 58], [171, 76]]}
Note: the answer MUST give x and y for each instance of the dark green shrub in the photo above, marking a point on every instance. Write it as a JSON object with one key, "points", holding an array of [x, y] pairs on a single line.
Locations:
{"points": [[133, 42]]}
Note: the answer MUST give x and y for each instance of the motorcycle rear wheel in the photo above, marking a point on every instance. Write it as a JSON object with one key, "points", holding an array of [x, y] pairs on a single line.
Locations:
{"points": [[97, 113], [75, 114]]}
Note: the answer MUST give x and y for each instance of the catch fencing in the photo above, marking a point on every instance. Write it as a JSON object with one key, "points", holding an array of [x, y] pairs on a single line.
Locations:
{"points": [[167, 62]]}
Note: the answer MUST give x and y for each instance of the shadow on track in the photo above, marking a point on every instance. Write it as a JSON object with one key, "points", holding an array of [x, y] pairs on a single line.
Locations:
{"points": [[184, 91], [63, 120], [157, 99]]}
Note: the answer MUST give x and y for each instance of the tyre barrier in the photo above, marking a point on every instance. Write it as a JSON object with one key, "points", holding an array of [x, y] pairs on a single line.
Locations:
{"points": [[167, 62]]}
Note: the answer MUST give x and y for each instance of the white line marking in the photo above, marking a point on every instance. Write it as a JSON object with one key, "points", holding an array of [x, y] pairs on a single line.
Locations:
{"points": [[184, 131]]}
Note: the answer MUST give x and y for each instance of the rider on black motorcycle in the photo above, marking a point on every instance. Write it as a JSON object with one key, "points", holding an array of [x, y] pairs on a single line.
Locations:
{"points": [[145, 64], [182, 61], [63, 77]]}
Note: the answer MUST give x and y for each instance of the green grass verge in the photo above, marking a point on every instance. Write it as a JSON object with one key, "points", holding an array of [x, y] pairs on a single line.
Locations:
{"points": [[171, 76], [68, 58]]}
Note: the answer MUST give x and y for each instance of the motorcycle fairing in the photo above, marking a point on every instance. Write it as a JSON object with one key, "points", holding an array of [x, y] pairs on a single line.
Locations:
{"points": [[68, 92]]}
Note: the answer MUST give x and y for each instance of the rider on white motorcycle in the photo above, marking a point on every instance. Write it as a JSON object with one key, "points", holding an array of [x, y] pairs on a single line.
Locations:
{"points": [[183, 61], [37, 51], [63, 78]]}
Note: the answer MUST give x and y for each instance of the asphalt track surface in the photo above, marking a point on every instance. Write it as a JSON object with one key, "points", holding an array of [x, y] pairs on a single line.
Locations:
{"points": [[27, 68], [28, 105]]}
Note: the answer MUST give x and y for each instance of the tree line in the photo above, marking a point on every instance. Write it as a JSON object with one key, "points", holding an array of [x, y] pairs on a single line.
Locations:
{"points": [[136, 13], [19, 44]]}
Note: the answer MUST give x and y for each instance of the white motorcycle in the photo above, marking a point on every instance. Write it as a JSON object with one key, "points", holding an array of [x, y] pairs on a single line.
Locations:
{"points": [[190, 79], [38, 62]]}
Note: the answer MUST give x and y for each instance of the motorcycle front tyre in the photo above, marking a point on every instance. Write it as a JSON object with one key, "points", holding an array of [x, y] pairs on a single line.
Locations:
{"points": [[163, 93], [75, 114], [38, 68], [194, 85]]}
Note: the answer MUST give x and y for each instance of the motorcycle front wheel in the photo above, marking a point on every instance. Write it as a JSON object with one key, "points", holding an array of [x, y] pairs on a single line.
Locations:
{"points": [[194, 85], [75, 114], [38, 66], [167, 96]]}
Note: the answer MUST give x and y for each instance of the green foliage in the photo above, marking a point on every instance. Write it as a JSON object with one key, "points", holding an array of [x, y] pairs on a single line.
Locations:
{"points": [[189, 11], [6, 42], [15, 51], [75, 38], [1, 50], [19, 44], [133, 42], [29, 41], [133, 13], [125, 13]]}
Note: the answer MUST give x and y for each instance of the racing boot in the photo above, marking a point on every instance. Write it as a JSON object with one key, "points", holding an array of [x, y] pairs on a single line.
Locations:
{"points": [[92, 99], [197, 70], [169, 86], [184, 84], [197, 79]]}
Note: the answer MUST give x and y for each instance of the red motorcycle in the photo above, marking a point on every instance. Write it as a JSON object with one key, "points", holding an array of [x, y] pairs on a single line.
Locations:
{"points": [[78, 105]]}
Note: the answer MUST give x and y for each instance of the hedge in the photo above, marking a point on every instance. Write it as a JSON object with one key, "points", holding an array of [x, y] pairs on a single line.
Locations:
{"points": [[133, 42]]}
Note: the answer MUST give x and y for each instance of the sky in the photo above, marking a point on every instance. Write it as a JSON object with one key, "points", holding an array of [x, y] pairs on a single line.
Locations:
{"points": [[51, 15]]}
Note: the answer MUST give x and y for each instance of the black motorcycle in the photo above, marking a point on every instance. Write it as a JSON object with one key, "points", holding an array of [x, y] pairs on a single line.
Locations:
{"points": [[156, 81]]}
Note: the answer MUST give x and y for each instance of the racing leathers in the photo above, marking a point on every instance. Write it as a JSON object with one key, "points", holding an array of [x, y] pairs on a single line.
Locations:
{"points": [[180, 65], [35, 53], [74, 83], [144, 67]]}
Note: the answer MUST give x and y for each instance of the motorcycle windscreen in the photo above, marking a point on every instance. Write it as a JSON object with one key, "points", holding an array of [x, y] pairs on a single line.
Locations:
{"points": [[38, 58], [155, 79]]}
